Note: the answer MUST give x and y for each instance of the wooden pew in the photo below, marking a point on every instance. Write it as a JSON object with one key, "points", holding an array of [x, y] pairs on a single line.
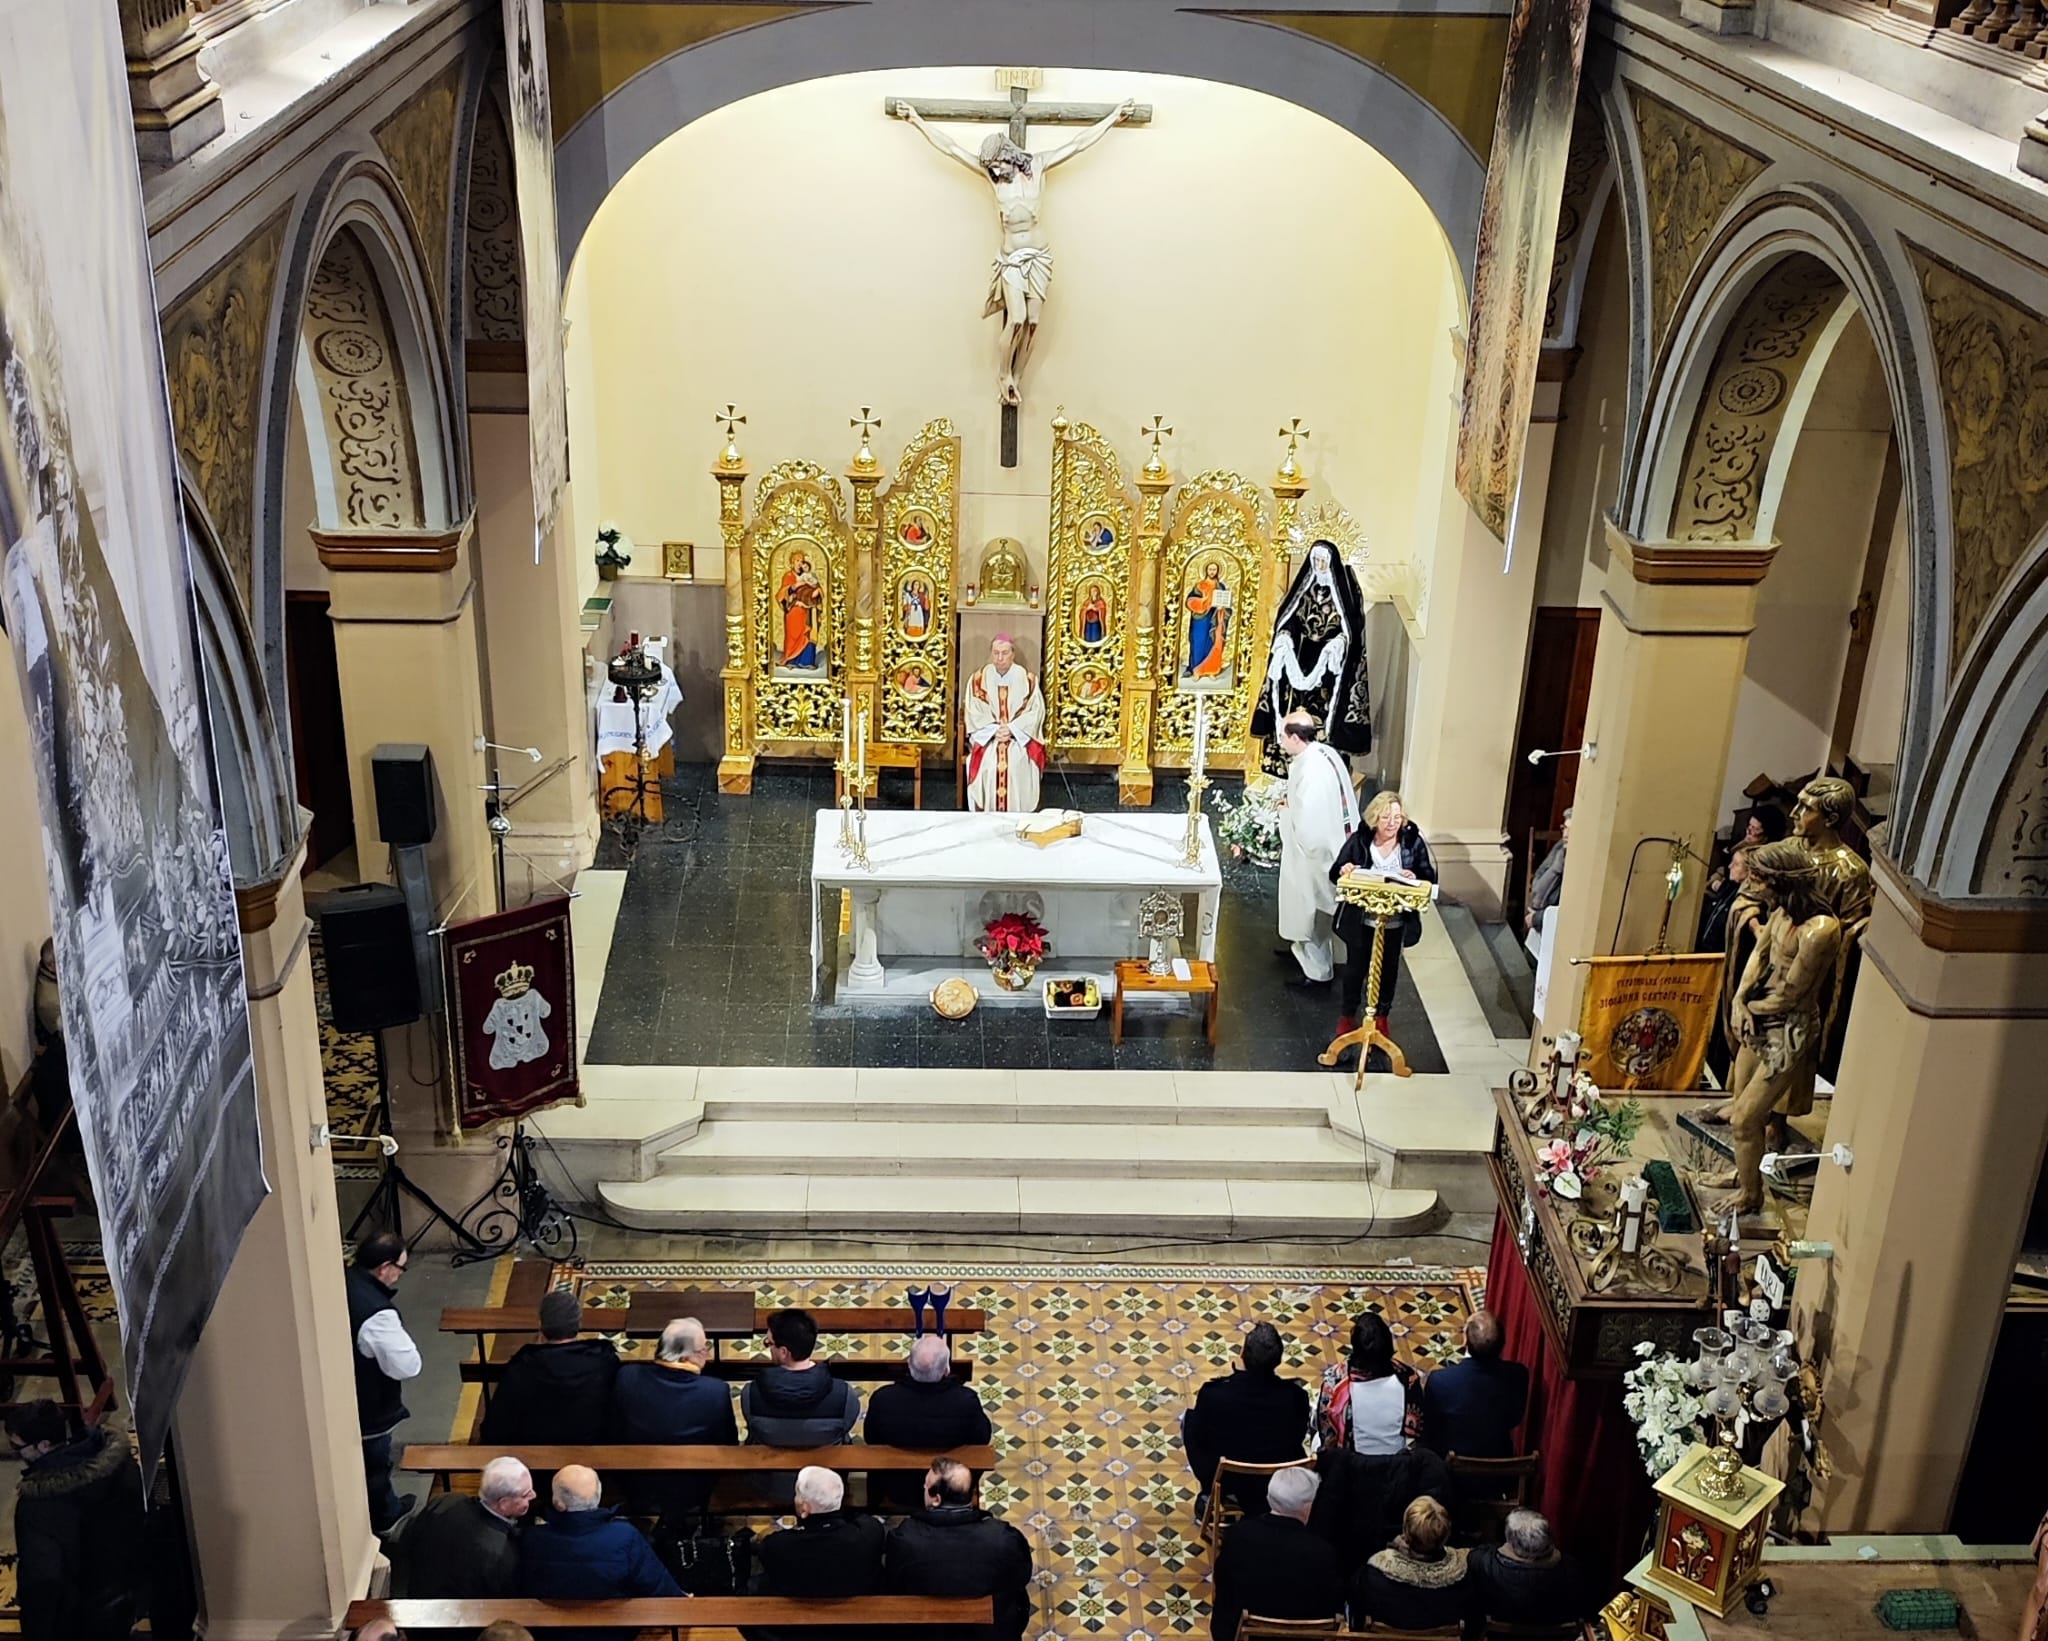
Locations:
{"points": [[726, 1314], [442, 1462], [678, 1617], [854, 1369]]}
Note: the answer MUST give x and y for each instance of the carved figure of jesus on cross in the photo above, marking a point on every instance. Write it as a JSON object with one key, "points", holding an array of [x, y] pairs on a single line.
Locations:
{"points": [[1022, 275]]}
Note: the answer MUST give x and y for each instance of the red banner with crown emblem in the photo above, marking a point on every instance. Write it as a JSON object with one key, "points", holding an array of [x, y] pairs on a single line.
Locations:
{"points": [[511, 989]]}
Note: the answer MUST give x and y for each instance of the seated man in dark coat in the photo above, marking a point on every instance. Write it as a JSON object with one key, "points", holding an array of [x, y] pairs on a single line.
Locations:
{"points": [[1272, 1566], [672, 1402], [1254, 1416], [585, 1553], [930, 1412], [1473, 1407], [557, 1392], [460, 1548], [828, 1555], [79, 1536], [1524, 1580], [954, 1548]]}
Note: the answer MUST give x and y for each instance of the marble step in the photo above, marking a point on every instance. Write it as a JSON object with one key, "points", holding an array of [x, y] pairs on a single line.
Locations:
{"points": [[1039, 1150], [947, 1204], [790, 1094]]}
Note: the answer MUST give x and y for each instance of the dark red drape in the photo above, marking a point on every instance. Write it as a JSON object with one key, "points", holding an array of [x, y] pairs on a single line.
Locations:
{"points": [[1592, 1486]]}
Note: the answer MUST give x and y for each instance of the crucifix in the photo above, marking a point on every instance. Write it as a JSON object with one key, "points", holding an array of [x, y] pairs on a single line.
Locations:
{"points": [[1023, 269]]}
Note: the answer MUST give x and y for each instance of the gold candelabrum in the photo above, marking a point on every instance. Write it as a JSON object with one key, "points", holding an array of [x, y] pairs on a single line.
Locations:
{"points": [[852, 768], [1198, 760], [1382, 900]]}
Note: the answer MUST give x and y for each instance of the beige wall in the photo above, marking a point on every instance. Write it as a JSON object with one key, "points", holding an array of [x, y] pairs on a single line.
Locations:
{"points": [[586, 457], [24, 889], [1238, 262], [303, 571], [1881, 712]]}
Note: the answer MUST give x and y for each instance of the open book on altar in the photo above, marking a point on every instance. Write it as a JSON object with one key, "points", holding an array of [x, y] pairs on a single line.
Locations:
{"points": [[1377, 875], [1049, 826]]}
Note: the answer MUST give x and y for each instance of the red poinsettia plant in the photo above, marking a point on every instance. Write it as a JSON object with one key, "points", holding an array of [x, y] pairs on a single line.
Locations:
{"points": [[1013, 935]]}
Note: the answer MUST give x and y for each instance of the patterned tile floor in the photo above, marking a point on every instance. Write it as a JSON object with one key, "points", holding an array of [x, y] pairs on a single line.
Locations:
{"points": [[1085, 1370]]}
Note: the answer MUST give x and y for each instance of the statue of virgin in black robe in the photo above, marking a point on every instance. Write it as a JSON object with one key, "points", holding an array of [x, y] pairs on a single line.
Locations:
{"points": [[1317, 659]]}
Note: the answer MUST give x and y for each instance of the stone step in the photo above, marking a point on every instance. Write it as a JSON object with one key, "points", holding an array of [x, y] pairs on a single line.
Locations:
{"points": [[1194, 1208], [1040, 1150]]}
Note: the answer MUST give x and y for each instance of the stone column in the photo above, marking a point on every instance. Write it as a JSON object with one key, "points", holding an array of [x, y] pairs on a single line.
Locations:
{"points": [[177, 107], [1941, 1105], [271, 1392], [405, 640], [1468, 695], [1675, 621], [534, 639]]}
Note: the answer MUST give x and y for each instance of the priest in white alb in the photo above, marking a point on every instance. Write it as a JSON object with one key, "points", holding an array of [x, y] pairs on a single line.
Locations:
{"points": [[1005, 734], [1318, 814]]}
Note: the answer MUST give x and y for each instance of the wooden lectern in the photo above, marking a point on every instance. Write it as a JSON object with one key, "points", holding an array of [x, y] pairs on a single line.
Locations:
{"points": [[1382, 900]]}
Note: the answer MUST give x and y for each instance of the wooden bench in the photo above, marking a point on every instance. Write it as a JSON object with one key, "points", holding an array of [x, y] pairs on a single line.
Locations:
{"points": [[854, 1369], [442, 1462], [678, 1617], [725, 1313]]}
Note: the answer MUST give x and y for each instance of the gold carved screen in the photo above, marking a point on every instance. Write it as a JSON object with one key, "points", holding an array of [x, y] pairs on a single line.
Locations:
{"points": [[1088, 596], [1212, 619], [920, 534], [797, 551]]}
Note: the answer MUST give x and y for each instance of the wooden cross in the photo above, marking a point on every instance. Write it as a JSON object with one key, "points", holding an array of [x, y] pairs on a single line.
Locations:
{"points": [[1019, 114]]}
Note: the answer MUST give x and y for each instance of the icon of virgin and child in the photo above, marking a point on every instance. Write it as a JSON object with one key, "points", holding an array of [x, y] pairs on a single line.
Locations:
{"points": [[801, 598]]}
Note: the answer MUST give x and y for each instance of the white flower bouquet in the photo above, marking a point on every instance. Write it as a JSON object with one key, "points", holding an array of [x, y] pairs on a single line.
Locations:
{"points": [[1250, 828], [1660, 1398]]}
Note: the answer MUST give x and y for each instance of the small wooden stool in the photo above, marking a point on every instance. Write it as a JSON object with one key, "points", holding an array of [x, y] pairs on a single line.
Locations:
{"points": [[882, 755], [1134, 975]]}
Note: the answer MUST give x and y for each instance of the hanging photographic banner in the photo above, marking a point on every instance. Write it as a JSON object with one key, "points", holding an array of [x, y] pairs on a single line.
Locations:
{"points": [[511, 990], [1646, 1021], [101, 616], [1532, 138], [533, 177]]}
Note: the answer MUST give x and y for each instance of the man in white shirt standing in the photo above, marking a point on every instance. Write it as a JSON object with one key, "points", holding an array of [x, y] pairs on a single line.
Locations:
{"points": [[385, 1357], [1318, 814]]}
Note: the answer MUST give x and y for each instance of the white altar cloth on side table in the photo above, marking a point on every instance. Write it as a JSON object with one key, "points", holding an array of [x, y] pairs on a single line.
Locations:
{"points": [[937, 878]]}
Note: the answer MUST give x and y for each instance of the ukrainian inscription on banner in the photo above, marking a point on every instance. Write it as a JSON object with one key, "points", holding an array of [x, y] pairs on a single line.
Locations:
{"points": [[511, 990], [1646, 1021], [100, 610]]}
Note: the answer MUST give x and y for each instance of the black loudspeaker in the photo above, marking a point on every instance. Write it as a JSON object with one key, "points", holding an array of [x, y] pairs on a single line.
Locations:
{"points": [[404, 777], [366, 935]]}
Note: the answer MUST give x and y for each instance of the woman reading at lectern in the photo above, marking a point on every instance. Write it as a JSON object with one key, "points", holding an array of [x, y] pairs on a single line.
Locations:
{"points": [[1389, 843]]}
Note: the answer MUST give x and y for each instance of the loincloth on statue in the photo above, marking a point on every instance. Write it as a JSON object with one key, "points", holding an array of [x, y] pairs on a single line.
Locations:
{"points": [[1026, 270]]}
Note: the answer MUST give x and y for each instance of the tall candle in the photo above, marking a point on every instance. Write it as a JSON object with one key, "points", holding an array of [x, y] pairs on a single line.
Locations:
{"points": [[1201, 731], [860, 778], [846, 730]]}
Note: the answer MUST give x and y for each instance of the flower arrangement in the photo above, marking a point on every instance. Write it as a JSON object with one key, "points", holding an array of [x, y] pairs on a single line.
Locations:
{"points": [[1250, 828], [611, 557], [1014, 945], [1591, 1134], [1659, 1395]]}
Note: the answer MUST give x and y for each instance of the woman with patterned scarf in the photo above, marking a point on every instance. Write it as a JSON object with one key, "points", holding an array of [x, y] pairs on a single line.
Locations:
{"points": [[1371, 1403]]}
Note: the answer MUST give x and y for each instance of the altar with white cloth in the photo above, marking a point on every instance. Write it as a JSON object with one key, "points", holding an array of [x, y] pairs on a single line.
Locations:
{"points": [[933, 881]]}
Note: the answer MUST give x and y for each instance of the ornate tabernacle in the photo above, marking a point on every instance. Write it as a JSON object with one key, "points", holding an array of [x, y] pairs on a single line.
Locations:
{"points": [[920, 517], [1091, 585], [1712, 1512], [1595, 1309], [1215, 619]]}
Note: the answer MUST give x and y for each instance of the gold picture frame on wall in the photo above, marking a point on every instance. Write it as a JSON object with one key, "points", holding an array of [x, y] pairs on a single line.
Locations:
{"points": [[678, 560]]}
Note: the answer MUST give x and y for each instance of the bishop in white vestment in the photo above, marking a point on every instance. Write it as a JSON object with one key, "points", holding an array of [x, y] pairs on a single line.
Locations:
{"points": [[1005, 734], [1321, 811]]}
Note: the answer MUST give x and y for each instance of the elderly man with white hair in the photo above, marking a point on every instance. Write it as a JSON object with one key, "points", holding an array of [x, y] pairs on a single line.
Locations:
{"points": [[929, 1412], [461, 1548], [1525, 1580], [1273, 1566], [672, 1402], [830, 1554]]}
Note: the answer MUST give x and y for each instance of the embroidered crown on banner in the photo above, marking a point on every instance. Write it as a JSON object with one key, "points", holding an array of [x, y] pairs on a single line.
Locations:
{"points": [[516, 981]]}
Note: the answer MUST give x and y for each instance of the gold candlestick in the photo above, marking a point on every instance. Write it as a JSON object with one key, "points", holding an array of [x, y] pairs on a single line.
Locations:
{"points": [[1197, 779]]}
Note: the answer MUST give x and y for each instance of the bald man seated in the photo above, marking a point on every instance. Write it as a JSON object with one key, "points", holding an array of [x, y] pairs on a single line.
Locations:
{"points": [[954, 1548], [930, 1412], [672, 1402], [584, 1552], [1473, 1407]]}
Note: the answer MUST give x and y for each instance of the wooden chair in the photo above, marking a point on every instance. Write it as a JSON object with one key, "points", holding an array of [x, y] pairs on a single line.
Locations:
{"points": [[1221, 1511], [1253, 1628], [1489, 1490]]}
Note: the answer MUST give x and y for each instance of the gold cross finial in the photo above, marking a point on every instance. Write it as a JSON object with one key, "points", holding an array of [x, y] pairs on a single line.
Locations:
{"points": [[731, 418], [1155, 432], [869, 424], [1293, 433]]}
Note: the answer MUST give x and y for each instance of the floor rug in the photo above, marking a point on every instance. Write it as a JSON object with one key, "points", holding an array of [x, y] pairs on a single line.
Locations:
{"points": [[1085, 1370]]}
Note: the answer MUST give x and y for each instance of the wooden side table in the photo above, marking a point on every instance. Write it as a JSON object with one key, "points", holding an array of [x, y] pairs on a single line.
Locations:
{"points": [[885, 755], [1133, 975]]}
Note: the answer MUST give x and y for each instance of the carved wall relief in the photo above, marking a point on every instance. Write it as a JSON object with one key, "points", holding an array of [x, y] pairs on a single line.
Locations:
{"points": [[1690, 176], [1992, 358], [213, 354], [491, 292], [1767, 347], [419, 144], [1585, 168], [364, 414], [2015, 858]]}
